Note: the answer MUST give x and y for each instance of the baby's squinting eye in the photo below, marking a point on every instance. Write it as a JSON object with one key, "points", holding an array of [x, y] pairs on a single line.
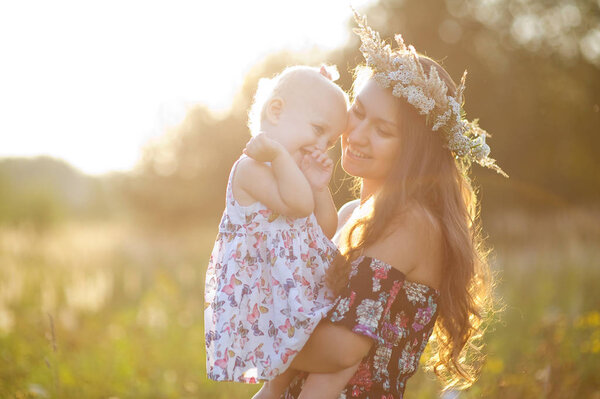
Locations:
{"points": [[319, 130]]}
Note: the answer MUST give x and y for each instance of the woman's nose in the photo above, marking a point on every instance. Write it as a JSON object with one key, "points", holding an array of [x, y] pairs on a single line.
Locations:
{"points": [[358, 134]]}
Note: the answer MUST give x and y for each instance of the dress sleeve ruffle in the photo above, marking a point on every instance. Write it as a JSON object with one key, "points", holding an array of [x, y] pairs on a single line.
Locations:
{"points": [[364, 305]]}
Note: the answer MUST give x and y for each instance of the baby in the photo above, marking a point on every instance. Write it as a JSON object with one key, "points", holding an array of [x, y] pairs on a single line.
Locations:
{"points": [[265, 289]]}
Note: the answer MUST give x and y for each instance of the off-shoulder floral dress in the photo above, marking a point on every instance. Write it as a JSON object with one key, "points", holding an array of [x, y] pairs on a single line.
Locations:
{"points": [[265, 290], [397, 314]]}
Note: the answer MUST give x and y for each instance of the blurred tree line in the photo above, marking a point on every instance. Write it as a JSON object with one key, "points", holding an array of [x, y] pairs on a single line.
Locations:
{"points": [[534, 82], [43, 191]]}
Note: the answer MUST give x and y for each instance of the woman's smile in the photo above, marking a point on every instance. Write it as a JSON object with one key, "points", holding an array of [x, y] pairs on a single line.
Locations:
{"points": [[356, 154]]}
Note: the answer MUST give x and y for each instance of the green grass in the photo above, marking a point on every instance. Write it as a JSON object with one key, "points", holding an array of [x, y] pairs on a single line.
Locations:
{"points": [[110, 311]]}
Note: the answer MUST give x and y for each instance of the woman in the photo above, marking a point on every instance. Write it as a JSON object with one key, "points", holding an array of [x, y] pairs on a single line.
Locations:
{"points": [[412, 260]]}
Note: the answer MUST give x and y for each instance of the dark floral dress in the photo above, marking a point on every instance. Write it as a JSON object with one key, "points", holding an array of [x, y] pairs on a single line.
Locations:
{"points": [[397, 314]]}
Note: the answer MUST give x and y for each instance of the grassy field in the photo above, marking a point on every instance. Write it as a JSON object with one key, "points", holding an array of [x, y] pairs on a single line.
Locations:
{"points": [[111, 311]]}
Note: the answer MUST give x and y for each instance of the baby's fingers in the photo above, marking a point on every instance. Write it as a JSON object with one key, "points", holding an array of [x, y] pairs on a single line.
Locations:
{"points": [[323, 158], [316, 153]]}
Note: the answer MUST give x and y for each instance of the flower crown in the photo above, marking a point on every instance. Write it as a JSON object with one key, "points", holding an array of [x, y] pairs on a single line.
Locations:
{"points": [[401, 70]]}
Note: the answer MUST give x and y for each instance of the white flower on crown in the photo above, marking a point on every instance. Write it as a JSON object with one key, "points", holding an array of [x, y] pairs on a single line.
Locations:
{"points": [[403, 75], [460, 144], [383, 79], [455, 106], [415, 96], [441, 120], [398, 90], [480, 149]]}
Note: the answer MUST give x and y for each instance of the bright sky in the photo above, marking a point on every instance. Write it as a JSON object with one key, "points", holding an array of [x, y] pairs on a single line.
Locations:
{"points": [[92, 81]]}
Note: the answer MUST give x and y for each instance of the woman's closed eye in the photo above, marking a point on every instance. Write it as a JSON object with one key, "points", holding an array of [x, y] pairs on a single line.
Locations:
{"points": [[383, 131]]}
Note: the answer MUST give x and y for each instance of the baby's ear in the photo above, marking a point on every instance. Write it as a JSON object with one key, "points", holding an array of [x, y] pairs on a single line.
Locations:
{"points": [[274, 109]]}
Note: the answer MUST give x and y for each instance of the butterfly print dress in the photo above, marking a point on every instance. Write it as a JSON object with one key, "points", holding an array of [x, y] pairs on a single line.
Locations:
{"points": [[265, 290]]}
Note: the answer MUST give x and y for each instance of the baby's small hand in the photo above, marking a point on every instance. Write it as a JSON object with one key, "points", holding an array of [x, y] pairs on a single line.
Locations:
{"points": [[317, 168], [262, 148]]}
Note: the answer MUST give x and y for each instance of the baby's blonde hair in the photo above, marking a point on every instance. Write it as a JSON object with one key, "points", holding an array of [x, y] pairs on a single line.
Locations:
{"points": [[285, 84]]}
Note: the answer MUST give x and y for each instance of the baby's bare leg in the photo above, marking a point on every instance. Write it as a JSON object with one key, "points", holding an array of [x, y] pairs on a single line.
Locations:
{"points": [[326, 386], [274, 389]]}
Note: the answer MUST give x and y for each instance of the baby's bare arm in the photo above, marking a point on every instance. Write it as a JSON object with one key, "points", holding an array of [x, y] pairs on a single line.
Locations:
{"points": [[282, 187], [317, 168], [325, 211]]}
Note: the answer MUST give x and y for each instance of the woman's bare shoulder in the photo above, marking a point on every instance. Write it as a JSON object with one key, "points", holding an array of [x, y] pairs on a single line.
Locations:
{"points": [[429, 244], [412, 244]]}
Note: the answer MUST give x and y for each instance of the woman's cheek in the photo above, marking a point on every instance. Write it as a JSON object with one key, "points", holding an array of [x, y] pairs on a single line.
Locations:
{"points": [[385, 148], [392, 146]]}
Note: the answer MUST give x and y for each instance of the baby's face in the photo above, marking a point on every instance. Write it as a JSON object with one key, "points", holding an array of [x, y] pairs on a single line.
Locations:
{"points": [[315, 118]]}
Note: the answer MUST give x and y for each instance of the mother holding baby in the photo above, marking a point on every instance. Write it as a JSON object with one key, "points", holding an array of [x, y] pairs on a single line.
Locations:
{"points": [[411, 267], [413, 262]]}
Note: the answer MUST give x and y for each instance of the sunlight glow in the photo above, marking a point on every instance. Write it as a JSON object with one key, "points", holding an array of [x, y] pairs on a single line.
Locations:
{"points": [[90, 82]]}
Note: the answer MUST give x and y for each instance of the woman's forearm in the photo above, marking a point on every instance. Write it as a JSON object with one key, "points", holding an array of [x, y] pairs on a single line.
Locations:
{"points": [[331, 348]]}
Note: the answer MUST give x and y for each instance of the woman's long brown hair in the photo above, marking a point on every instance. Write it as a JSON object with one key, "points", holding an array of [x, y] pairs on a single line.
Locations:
{"points": [[425, 174]]}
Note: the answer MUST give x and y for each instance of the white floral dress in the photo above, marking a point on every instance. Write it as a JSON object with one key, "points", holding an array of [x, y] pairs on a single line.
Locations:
{"points": [[265, 290]]}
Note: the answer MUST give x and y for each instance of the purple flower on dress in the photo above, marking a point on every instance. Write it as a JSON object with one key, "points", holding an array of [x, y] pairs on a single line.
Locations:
{"points": [[422, 317], [368, 314]]}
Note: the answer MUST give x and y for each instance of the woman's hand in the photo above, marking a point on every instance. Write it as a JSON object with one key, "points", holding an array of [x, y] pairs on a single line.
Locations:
{"points": [[317, 167], [263, 148]]}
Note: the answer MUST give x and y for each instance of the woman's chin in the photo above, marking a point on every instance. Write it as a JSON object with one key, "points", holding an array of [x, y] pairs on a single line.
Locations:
{"points": [[353, 166]]}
